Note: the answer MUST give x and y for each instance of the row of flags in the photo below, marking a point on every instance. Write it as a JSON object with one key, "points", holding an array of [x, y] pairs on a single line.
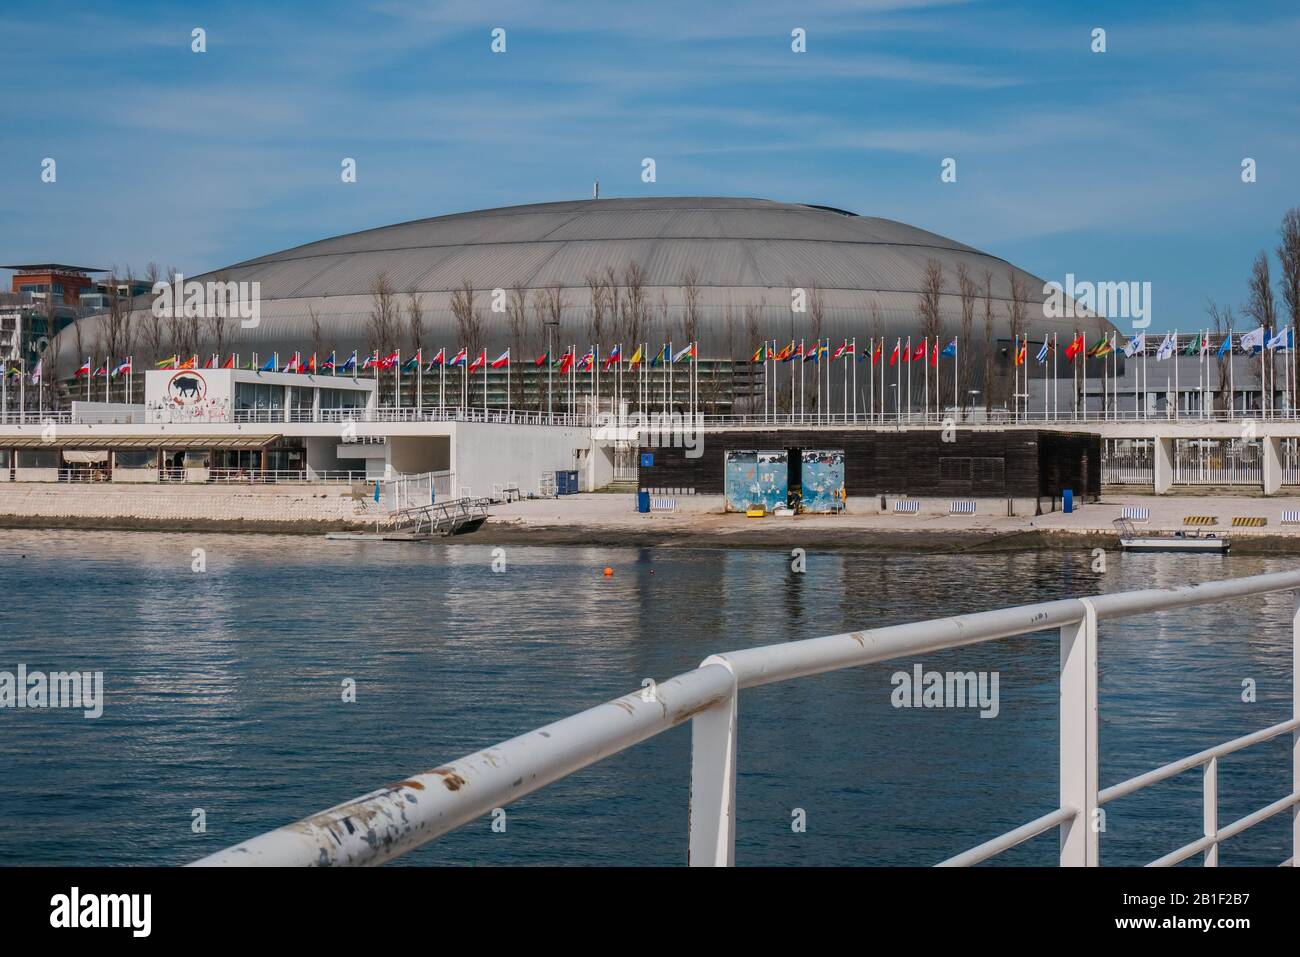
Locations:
{"points": [[309, 364], [1249, 343]]}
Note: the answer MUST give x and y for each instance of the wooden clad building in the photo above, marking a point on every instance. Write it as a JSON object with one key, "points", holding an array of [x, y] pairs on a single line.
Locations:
{"points": [[994, 463]]}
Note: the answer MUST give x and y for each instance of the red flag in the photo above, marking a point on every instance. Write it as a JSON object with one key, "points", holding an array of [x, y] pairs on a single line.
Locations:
{"points": [[893, 356], [229, 363], [920, 350], [1075, 347], [480, 361]]}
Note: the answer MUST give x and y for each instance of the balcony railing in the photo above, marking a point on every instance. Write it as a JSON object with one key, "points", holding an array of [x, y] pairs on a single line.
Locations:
{"points": [[423, 806]]}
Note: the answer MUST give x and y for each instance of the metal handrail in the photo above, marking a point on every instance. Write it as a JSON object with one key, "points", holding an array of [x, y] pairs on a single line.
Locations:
{"points": [[386, 823]]}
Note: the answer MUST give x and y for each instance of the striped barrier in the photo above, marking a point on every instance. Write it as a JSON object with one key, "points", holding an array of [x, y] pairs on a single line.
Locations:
{"points": [[662, 504], [1200, 520], [1291, 517], [1135, 513], [1248, 521], [961, 508], [906, 508]]}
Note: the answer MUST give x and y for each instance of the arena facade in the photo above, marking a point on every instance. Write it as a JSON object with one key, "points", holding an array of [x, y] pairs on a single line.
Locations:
{"points": [[598, 273]]}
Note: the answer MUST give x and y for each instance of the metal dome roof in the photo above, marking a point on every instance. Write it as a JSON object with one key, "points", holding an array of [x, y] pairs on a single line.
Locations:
{"points": [[745, 255]]}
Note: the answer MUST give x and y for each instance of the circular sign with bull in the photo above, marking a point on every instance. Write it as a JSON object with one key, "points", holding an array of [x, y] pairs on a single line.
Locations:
{"points": [[187, 388]]}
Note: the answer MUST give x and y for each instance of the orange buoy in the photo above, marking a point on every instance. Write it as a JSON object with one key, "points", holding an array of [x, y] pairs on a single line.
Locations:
{"points": [[609, 572]]}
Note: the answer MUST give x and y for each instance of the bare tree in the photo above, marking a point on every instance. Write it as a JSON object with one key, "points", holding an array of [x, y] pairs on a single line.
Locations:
{"points": [[1261, 307], [382, 324], [153, 323], [988, 341], [613, 295], [1222, 321], [599, 306], [1016, 313], [469, 319], [517, 315], [927, 308], [217, 318], [634, 310], [314, 326], [968, 291], [1288, 254], [691, 304]]}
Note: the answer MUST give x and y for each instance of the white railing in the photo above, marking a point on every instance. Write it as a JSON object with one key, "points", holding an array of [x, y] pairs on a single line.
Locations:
{"points": [[393, 820], [235, 476]]}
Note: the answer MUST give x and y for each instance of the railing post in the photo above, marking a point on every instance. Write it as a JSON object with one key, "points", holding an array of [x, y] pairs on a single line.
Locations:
{"points": [[713, 781], [1295, 735], [1080, 839], [1210, 790]]}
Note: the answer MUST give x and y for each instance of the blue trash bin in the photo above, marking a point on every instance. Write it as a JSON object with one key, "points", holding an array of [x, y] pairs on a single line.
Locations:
{"points": [[643, 501], [1067, 500]]}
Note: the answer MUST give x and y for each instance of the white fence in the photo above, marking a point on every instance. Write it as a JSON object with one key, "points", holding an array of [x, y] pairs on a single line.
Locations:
{"points": [[419, 808], [1217, 462]]}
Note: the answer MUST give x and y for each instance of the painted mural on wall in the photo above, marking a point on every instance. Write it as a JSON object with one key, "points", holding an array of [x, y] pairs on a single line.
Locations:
{"points": [[822, 480], [187, 395], [756, 478]]}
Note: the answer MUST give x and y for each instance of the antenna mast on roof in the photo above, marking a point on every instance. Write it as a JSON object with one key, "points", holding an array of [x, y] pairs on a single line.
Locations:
{"points": [[595, 190]]}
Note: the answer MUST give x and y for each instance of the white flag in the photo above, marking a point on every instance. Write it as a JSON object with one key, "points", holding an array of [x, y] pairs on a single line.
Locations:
{"points": [[1137, 344], [1167, 347], [1252, 340], [1278, 340]]}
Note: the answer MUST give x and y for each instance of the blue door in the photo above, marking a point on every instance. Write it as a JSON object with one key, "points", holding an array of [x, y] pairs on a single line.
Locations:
{"points": [[756, 478], [822, 479]]}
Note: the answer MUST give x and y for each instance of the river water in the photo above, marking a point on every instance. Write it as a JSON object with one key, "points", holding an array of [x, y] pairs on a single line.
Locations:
{"points": [[223, 692]]}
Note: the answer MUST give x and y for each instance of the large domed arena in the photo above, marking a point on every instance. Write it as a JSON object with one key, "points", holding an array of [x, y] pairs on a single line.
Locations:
{"points": [[718, 271]]}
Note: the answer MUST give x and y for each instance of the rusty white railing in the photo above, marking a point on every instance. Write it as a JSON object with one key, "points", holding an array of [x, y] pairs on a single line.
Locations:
{"points": [[386, 823]]}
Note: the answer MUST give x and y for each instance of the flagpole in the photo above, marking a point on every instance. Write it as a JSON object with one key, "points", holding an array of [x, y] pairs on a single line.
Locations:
{"points": [[909, 378]]}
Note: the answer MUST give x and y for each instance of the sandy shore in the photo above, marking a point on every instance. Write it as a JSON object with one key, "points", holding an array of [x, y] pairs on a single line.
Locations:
{"points": [[611, 520]]}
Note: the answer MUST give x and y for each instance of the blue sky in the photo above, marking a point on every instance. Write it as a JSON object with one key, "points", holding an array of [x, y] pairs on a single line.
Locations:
{"points": [[1116, 166]]}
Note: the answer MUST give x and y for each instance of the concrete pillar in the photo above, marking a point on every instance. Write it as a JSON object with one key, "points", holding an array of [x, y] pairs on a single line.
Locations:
{"points": [[1163, 462], [1272, 465]]}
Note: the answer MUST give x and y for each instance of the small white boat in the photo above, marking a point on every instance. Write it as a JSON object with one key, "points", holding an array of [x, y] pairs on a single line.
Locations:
{"points": [[1197, 541]]}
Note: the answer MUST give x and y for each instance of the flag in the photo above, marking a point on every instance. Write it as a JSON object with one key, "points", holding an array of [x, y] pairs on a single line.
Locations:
{"points": [[841, 349], [588, 361], [1225, 347], [479, 361], [1136, 345], [540, 361], [757, 356], [1252, 341], [660, 359], [351, 364], [413, 363], [270, 365], [294, 364], [1044, 351], [934, 355], [1166, 347], [164, 363], [191, 363], [950, 350], [1101, 348], [102, 370], [229, 363], [919, 352], [893, 356], [36, 373], [788, 353], [566, 361], [1278, 340], [1192, 348], [123, 366], [614, 355], [880, 351], [1075, 347], [388, 361], [213, 362], [501, 361], [1021, 349], [84, 370], [811, 355], [636, 358]]}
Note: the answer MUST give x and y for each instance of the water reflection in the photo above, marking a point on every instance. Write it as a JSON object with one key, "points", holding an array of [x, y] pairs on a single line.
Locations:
{"points": [[224, 692]]}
